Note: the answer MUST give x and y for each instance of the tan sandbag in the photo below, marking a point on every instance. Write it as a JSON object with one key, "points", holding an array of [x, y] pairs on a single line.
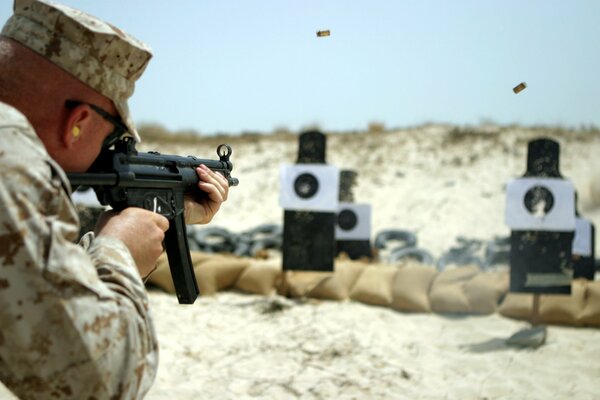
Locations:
{"points": [[517, 306], [338, 285], [348, 272], [485, 291], [218, 273], [259, 277], [199, 257], [161, 277], [301, 283], [590, 315], [554, 308], [447, 290], [564, 309], [410, 288], [213, 272], [449, 298], [374, 286], [330, 288], [457, 274]]}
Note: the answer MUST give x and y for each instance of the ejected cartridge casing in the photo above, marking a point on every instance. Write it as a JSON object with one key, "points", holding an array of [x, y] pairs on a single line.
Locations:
{"points": [[323, 33], [519, 87]]}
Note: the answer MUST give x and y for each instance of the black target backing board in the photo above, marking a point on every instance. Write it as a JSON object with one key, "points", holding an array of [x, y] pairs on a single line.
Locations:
{"points": [[353, 230], [309, 208], [543, 157], [540, 262], [542, 222], [308, 240], [311, 147], [583, 249], [347, 183]]}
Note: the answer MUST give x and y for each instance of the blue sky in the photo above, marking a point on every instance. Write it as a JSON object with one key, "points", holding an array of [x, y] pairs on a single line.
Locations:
{"points": [[254, 65]]}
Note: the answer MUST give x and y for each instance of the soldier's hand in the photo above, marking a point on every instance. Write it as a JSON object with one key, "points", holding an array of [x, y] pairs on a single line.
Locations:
{"points": [[201, 209], [141, 230]]}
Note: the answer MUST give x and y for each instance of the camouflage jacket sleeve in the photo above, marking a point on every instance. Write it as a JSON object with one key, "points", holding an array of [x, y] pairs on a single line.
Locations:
{"points": [[74, 323]]}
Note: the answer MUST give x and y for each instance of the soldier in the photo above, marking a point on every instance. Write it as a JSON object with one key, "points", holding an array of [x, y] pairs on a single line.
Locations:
{"points": [[74, 318]]}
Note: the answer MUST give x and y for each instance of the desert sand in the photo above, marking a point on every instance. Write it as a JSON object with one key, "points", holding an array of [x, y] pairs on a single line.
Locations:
{"points": [[440, 182]]}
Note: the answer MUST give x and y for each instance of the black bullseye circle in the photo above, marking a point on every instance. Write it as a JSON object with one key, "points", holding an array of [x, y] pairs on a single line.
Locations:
{"points": [[538, 196], [347, 220], [306, 185]]}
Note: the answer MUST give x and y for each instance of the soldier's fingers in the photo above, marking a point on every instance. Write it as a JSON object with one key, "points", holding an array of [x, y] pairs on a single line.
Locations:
{"points": [[214, 178], [214, 194], [161, 221]]}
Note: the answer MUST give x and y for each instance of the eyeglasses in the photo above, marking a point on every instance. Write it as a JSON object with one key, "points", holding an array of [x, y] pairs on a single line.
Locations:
{"points": [[119, 127]]}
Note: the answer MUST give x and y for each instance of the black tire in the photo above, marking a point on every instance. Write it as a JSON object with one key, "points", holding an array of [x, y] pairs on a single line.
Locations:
{"points": [[265, 229], [215, 240], [261, 237], [382, 238], [265, 243], [459, 259], [497, 251], [242, 247], [420, 255]]}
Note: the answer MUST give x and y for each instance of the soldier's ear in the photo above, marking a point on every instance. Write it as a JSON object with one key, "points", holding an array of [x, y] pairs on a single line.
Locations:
{"points": [[78, 123]]}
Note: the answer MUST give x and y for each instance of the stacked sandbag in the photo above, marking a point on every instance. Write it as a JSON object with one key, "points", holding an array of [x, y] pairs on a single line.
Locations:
{"points": [[334, 285], [214, 272], [467, 290], [407, 287], [590, 315], [403, 287], [410, 288], [580, 308], [374, 285], [259, 277]]}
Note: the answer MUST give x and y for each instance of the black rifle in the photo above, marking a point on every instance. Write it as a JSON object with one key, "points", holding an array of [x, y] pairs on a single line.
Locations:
{"points": [[122, 177]]}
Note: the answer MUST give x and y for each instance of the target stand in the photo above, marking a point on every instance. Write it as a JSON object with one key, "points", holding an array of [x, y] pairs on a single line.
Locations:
{"points": [[353, 222], [309, 196], [583, 254], [540, 210]]}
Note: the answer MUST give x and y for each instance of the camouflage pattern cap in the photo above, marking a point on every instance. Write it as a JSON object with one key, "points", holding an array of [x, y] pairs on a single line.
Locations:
{"points": [[97, 53]]}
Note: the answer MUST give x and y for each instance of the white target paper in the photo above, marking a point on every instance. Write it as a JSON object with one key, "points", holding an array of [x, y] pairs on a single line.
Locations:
{"points": [[362, 229], [560, 218], [319, 192], [582, 242]]}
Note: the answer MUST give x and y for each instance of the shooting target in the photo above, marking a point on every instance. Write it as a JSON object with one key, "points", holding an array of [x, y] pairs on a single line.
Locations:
{"points": [[353, 222], [540, 204], [582, 242], [309, 187]]}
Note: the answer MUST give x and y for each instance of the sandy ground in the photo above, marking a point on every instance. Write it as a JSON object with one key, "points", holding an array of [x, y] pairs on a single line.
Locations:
{"points": [[438, 181], [236, 346]]}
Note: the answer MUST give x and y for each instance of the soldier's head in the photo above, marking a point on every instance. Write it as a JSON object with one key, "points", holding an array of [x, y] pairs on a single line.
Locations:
{"points": [[71, 74]]}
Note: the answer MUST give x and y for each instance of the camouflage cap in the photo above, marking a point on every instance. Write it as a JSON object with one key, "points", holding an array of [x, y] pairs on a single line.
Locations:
{"points": [[97, 53]]}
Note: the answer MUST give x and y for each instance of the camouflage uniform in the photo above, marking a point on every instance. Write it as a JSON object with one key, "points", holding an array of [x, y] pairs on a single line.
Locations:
{"points": [[74, 319]]}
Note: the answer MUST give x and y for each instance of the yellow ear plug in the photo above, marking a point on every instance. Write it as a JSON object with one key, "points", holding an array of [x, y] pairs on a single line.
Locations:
{"points": [[76, 131]]}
